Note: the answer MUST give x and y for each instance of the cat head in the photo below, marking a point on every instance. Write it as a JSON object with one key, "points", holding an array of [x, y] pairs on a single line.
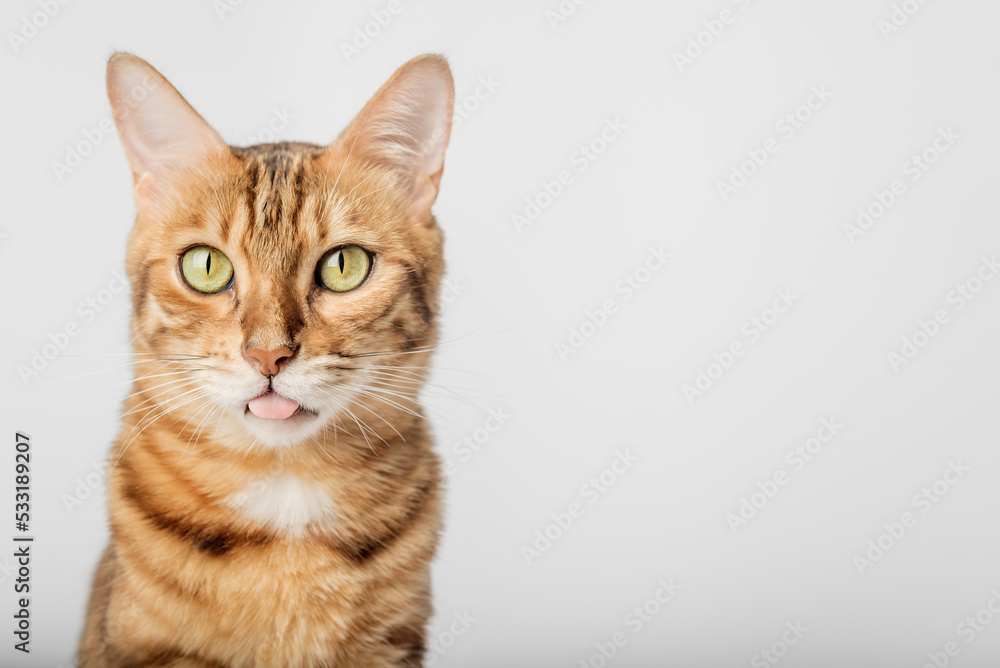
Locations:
{"points": [[283, 288]]}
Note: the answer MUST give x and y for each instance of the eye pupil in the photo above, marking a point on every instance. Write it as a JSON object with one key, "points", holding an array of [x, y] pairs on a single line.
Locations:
{"points": [[344, 268], [204, 275]]}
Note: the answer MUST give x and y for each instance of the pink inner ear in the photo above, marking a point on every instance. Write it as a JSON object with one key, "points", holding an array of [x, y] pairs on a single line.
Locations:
{"points": [[433, 120], [407, 124], [158, 128]]}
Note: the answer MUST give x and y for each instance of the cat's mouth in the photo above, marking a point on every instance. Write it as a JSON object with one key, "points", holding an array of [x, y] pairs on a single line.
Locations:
{"points": [[273, 406], [279, 421]]}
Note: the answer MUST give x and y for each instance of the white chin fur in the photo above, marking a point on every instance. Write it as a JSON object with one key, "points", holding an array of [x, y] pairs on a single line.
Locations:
{"points": [[283, 433]]}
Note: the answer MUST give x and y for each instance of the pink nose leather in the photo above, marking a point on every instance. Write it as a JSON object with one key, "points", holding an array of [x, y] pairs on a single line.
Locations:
{"points": [[268, 362]]}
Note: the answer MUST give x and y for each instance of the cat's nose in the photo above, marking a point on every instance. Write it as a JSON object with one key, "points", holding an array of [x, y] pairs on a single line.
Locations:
{"points": [[268, 361]]}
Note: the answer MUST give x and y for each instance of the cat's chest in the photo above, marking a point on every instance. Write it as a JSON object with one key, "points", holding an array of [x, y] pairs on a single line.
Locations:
{"points": [[285, 503]]}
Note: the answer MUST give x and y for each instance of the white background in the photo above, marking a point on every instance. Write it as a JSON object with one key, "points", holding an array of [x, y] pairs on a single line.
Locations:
{"points": [[523, 291]]}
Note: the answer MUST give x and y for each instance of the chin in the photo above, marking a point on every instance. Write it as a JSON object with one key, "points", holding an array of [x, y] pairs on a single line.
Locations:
{"points": [[284, 433]]}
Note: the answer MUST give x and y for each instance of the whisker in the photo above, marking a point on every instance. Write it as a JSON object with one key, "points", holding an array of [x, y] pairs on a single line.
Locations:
{"points": [[367, 407], [361, 424], [125, 447], [151, 401], [137, 409], [133, 354], [197, 431], [119, 366], [136, 380], [390, 401], [169, 382]]}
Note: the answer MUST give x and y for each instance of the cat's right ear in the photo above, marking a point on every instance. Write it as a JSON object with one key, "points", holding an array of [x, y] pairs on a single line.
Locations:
{"points": [[164, 138]]}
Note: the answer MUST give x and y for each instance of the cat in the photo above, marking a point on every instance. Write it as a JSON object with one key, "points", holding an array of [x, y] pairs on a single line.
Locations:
{"points": [[274, 498]]}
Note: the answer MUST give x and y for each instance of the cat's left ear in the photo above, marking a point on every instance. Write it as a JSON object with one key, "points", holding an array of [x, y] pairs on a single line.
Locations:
{"points": [[405, 127], [165, 140]]}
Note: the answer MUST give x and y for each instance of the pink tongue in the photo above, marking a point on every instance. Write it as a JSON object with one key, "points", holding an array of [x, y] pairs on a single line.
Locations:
{"points": [[273, 406]]}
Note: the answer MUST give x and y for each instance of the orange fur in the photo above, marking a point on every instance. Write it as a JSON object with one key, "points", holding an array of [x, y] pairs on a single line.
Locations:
{"points": [[239, 543]]}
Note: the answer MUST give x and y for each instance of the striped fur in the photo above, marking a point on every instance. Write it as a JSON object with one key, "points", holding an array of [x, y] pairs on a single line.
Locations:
{"points": [[241, 544]]}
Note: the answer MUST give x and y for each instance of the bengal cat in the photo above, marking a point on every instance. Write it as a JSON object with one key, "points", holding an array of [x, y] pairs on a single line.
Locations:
{"points": [[274, 498]]}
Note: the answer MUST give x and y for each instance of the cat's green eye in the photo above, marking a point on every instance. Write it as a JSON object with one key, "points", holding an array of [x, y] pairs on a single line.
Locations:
{"points": [[206, 269], [343, 268]]}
